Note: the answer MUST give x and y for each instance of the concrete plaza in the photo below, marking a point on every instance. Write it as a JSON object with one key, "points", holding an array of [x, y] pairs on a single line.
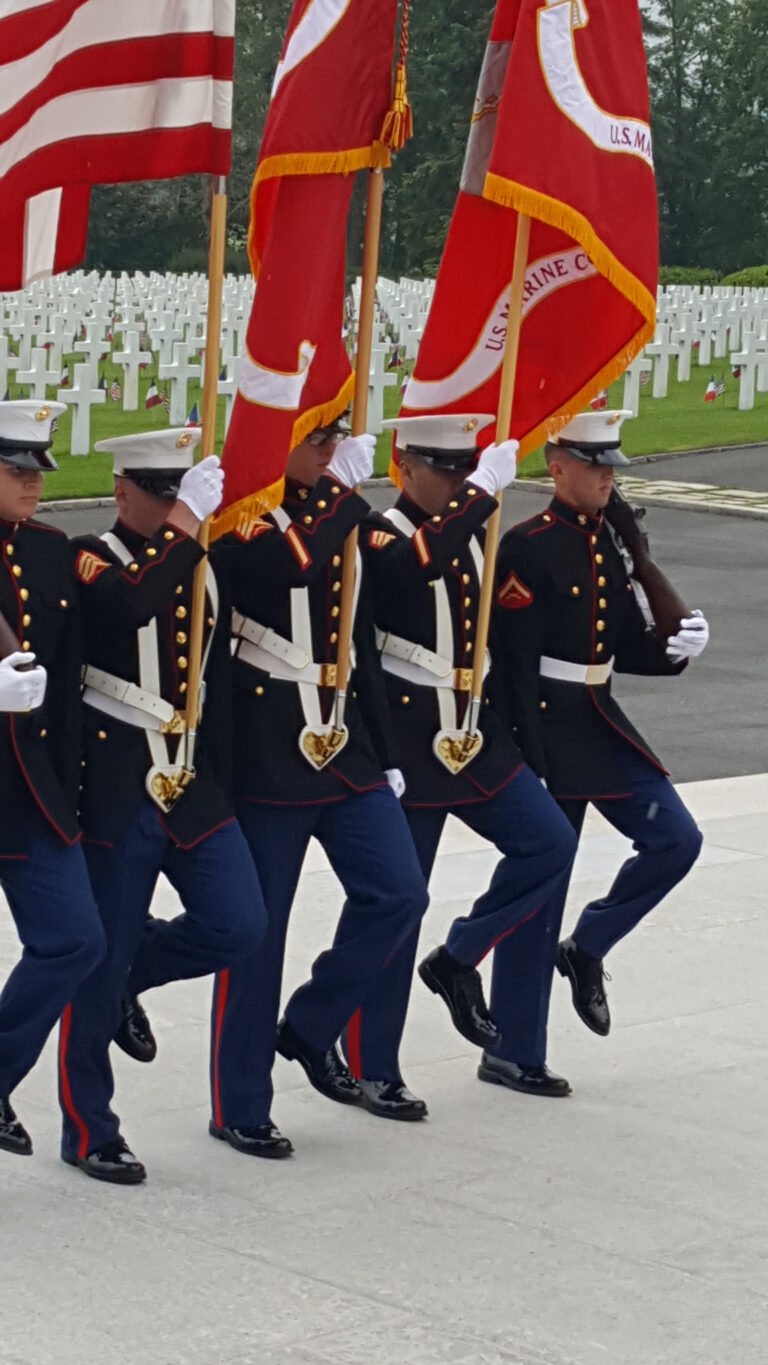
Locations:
{"points": [[626, 1224]]}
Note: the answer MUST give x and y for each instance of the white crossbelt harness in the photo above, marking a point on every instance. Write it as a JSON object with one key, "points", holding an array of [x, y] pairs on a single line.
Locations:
{"points": [[143, 705], [592, 675], [415, 663], [290, 660]]}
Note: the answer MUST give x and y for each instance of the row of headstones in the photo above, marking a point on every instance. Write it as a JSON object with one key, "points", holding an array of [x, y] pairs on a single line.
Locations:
{"points": [[161, 320]]}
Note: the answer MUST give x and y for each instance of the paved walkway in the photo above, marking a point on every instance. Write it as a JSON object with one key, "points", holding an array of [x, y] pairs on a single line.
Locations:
{"points": [[625, 1225]]}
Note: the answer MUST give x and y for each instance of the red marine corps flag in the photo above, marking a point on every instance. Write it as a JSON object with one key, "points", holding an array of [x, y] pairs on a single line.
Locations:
{"points": [[97, 91], [559, 133], [329, 116]]}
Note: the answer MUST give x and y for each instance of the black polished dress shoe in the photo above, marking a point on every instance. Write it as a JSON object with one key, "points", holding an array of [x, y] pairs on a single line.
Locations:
{"points": [[114, 1162], [13, 1135], [530, 1080], [325, 1070], [266, 1140], [586, 975], [392, 1100], [134, 1034], [461, 988]]}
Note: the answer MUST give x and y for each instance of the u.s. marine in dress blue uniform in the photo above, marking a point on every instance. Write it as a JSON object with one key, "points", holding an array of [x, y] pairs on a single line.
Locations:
{"points": [[285, 576], [566, 619], [135, 586], [425, 561], [42, 868]]}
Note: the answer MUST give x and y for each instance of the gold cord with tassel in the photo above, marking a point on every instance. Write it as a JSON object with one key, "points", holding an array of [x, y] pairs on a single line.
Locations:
{"points": [[398, 121]]}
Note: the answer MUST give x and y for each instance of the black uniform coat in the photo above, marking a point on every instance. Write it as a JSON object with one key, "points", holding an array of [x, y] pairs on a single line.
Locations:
{"points": [[262, 564], [563, 591], [116, 600], [40, 751], [403, 570]]}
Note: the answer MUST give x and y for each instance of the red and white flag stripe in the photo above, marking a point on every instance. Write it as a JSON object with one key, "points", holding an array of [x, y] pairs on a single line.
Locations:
{"points": [[102, 91]]}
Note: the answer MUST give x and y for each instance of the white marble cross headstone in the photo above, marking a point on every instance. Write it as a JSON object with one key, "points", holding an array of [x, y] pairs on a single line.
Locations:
{"points": [[751, 361], [228, 387], [82, 396], [38, 377], [131, 359], [640, 365], [661, 348], [381, 378], [179, 372]]}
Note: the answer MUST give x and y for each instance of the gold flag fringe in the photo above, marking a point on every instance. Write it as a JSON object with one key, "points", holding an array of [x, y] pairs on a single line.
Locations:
{"points": [[248, 509]]}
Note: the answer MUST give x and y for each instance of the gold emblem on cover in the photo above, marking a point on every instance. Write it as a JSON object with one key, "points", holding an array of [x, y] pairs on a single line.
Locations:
{"points": [[471, 424], [42, 413], [184, 440], [320, 746], [456, 748]]}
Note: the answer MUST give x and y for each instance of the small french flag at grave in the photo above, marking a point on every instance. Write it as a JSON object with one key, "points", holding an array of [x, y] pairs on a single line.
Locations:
{"points": [[153, 397]]}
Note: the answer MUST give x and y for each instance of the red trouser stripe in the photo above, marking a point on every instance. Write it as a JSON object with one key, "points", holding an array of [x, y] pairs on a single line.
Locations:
{"points": [[66, 1089], [222, 991], [353, 1045], [507, 933]]}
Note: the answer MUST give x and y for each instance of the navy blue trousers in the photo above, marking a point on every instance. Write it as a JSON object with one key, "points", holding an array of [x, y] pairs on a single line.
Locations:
{"points": [[369, 847], [223, 918], [667, 843], [58, 924], [526, 891]]}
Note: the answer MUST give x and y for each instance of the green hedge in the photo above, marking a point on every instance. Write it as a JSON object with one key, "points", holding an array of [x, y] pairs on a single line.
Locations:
{"points": [[688, 274], [754, 277]]}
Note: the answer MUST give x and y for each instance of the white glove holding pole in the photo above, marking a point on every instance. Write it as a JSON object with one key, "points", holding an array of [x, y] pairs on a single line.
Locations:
{"points": [[21, 690], [396, 781], [202, 487], [496, 468], [352, 460], [691, 639]]}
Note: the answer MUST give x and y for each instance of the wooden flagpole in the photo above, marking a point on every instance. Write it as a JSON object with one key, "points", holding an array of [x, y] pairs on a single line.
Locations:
{"points": [[216, 248], [359, 422], [503, 423]]}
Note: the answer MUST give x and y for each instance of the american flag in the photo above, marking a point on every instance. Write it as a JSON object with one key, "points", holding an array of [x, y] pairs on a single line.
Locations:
{"points": [[97, 91], [115, 392]]}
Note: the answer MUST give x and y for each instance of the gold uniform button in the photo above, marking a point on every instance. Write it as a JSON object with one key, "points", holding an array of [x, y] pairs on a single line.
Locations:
{"points": [[467, 625], [601, 626], [603, 603], [179, 589], [437, 519], [468, 647], [151, 552], [26, 619], [598, 559], [133, 568], [259, 691], [546, 517], [599, 647], [405, 700], [582, 519], [467, 601], [334, 611], [181, 613], [168, 535], [336, 561], [9, 550], [464, 577], [102, 734], [455, 563], [542, 705], [25, 644], [322, 504], [211, 621], [576, 590], [335, 490], [16, 571], [43, 733], [593, 540], [333, 637], [472, 492], [307, 520], [182, 661], [601, 582], [181, 638], [182, 687], [24, 594], [63, 602], [336, 587], [453, 506]]}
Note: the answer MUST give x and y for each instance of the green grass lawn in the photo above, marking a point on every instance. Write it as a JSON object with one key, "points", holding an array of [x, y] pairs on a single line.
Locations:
{"points": [[681, 421]]}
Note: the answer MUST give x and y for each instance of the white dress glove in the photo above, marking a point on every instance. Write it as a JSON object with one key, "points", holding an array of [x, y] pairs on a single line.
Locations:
{"points": [[21, 691], [202, 487], [691, 639], [396, 781], [496, 468], [352, 460]]}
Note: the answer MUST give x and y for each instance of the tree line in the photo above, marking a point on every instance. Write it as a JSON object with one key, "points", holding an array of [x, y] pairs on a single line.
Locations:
{"points": [[709, 97]]}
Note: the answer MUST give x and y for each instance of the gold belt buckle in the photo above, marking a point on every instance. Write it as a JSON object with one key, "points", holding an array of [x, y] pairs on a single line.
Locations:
{"points": [[327, 675], [596, 675], [462, 680], [177, 725]]}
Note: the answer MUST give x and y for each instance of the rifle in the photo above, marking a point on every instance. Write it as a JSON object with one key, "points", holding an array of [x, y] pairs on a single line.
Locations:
{"points": [[665, 604]]}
